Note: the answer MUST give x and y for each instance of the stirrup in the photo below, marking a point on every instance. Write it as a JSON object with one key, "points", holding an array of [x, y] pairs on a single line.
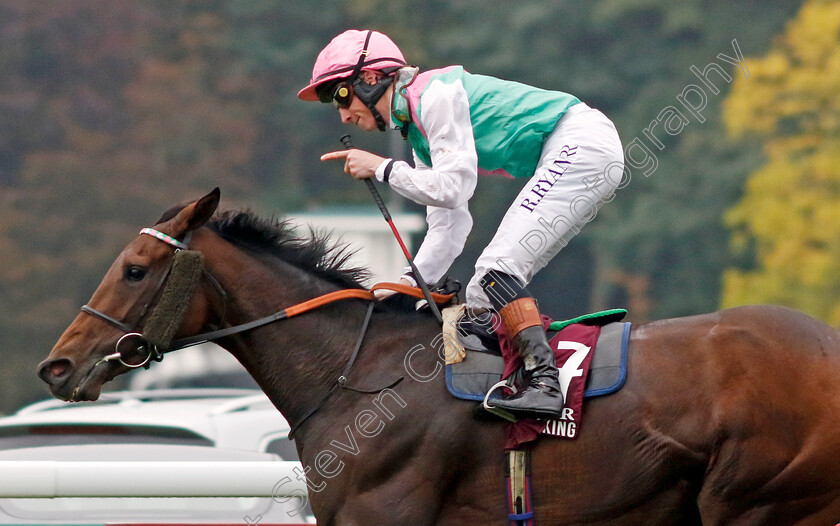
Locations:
{"points": [[501, 413]]}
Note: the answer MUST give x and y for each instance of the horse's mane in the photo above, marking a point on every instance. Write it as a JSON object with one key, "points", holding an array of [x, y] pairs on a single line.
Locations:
{"points": [[316, 253]]}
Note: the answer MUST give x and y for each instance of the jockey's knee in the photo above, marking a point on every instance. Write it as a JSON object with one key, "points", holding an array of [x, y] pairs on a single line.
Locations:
{"points": [[502, 288]]}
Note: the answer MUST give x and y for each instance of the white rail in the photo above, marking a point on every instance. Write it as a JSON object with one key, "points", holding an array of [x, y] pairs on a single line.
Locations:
{"points": [[49, 479]]}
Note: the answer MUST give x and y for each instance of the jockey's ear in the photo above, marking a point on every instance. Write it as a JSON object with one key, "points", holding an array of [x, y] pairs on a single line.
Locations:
{"points": [[195, 215], [371, 77]]}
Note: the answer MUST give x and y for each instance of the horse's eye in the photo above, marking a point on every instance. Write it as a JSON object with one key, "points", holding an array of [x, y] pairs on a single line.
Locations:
{"points": [[135, 273]]}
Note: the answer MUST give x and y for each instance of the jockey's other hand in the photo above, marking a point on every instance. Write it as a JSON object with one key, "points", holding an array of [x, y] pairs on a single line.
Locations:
{"points": [[381, 294]]}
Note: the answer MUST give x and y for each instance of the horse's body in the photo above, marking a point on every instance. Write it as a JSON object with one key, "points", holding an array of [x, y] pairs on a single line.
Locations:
{"points": [[726, 418]]}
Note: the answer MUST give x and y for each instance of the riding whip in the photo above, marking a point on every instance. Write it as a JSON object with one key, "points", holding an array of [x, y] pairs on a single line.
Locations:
{"points": [[348, 144]]}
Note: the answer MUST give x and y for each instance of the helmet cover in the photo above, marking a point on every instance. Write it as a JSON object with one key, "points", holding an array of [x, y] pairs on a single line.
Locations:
{"points": [[345, 57]]}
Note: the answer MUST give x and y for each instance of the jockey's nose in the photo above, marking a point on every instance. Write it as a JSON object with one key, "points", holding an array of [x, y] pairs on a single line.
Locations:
{"points": [[55, 371], [345, 114]]}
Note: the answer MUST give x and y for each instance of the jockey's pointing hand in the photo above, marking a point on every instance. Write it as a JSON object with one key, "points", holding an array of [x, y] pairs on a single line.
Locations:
{"points": [[358, 163]]}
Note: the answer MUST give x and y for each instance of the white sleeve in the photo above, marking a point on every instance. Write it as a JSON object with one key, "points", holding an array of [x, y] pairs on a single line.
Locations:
{"points": [[451, 180], [444, 241]]}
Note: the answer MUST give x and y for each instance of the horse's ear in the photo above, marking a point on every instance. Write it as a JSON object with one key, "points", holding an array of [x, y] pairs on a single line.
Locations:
{"points": [[195, 215], [203, 209]]}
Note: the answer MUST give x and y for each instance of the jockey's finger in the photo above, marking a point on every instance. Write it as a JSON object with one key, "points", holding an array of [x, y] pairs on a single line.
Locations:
{"points": [[332, 156]]}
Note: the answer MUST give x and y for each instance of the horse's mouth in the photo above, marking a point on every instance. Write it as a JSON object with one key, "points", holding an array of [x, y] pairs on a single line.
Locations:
{"points": [[85, 393], [88, 386]]}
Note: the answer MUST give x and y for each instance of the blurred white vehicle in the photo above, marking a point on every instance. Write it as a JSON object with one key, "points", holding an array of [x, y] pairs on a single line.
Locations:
{"points": [[204, 365], [177, 424]]}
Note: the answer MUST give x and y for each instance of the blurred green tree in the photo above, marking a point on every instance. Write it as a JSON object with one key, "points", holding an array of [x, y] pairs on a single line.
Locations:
{"points": [[112, 111], [128, 110]]}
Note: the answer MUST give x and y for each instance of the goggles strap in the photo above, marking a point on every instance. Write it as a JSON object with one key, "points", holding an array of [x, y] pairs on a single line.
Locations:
{"points": [[367, 96]]}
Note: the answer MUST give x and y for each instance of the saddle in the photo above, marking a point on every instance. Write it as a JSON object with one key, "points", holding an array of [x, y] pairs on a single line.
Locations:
{"points": [[591, 352]]}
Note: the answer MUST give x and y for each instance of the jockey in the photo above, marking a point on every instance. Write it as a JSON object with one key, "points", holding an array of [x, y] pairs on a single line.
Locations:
{"points": [[462, 125]]}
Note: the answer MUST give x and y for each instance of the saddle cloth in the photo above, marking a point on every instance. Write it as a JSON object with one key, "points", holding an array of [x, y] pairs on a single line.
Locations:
{"points": [[592, 361]]}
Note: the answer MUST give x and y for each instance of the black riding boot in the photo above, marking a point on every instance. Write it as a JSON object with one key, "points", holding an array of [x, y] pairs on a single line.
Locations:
{"points": [[543, 397]]}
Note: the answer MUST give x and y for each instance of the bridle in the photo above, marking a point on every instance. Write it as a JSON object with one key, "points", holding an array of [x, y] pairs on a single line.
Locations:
{"points": [[151, 352], [148, 351], [145, 349]]}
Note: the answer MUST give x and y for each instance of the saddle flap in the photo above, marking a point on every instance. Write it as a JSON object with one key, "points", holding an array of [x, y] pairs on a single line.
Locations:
{"points": [[478, 332]]}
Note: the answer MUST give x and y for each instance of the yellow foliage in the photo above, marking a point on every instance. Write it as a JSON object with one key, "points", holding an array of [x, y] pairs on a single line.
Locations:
{"points": [[790, 212], [798, 79]]}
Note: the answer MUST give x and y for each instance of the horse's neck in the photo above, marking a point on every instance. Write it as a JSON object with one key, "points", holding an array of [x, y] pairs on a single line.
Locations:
{"points": [[295, 361]]}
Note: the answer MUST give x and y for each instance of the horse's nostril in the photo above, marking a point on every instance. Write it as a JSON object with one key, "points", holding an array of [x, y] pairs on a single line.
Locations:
{"points": [[55, 370]]}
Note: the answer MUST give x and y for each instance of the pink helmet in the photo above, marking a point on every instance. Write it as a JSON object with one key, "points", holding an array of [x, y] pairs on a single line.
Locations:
{"points": [[345, 57]]}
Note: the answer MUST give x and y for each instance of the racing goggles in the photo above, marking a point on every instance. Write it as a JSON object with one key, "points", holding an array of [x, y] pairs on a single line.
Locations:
{"points": [[341, 94]]}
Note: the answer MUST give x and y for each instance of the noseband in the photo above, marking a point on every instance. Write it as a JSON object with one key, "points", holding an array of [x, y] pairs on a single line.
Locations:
{"points": [[165, 310]]}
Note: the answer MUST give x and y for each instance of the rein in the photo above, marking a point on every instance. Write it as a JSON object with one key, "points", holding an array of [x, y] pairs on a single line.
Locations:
{"points": [[154, 352], [289, 312]]}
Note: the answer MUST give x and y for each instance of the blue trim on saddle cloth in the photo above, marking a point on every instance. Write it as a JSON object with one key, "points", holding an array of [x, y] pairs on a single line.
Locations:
{"points": [[622, 369], [612, 376]]}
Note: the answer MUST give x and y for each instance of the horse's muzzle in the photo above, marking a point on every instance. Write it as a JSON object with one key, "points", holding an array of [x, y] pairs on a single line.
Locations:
{"points": [[71, 383], [56, 371]]}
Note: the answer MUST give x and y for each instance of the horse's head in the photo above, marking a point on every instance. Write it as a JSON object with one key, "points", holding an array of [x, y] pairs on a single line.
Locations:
{"points": [[104, 340]]}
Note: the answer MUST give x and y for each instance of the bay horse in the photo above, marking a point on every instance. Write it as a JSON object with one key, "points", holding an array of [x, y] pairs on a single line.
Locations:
{"points": [[725, 418]]}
